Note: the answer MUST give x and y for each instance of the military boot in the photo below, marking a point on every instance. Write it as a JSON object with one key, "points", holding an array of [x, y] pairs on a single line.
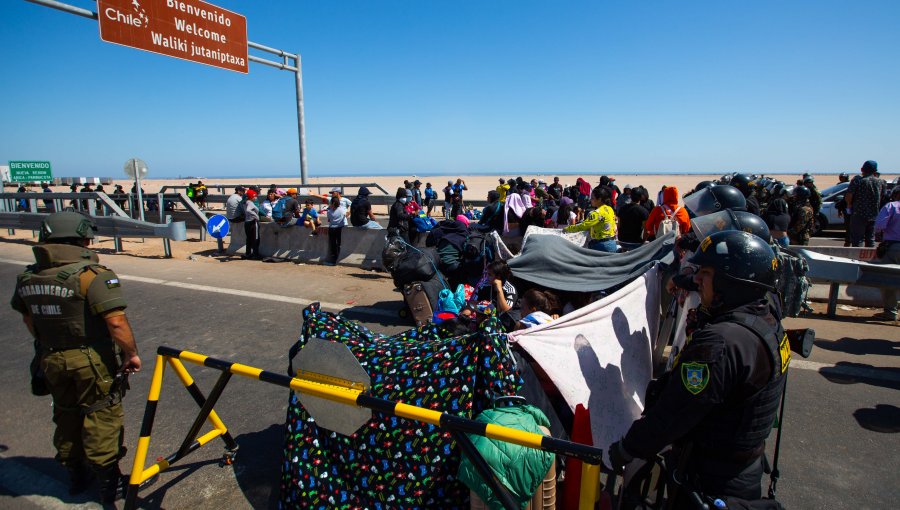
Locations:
{"points": [[80, 477], [112, 483]]}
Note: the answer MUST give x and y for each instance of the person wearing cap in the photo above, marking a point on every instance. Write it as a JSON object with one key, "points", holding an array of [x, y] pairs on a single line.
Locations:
{"points": [[286, 211], [233, 210], [361, 211], [84, 348], [251, 225], [417, 193], [345, 202], [863, 201]]}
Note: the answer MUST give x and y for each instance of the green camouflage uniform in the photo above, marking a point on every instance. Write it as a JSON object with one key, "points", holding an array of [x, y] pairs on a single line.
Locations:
{"points": [[802, 224], [78, 355]]}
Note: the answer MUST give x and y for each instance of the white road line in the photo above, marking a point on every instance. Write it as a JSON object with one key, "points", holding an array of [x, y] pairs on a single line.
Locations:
{"points": [[368, 310], [830, 368]]}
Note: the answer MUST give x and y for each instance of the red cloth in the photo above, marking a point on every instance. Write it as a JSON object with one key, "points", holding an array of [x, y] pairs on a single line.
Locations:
{"points": [[581, 433], [584, 187], [670, 204]]}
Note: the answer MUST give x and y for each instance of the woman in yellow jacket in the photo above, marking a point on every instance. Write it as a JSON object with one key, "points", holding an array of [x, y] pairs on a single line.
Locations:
{"points": [[601, 222]]}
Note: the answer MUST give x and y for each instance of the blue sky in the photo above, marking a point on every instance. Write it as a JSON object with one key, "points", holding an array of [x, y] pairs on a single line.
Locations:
{"points": [[466, 87]]}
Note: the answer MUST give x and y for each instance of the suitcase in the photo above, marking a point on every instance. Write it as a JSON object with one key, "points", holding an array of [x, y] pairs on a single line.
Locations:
{"points": [[418, 302]]}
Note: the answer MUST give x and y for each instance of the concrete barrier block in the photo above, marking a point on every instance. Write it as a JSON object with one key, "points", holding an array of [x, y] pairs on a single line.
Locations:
{"points": [[359, 247]]}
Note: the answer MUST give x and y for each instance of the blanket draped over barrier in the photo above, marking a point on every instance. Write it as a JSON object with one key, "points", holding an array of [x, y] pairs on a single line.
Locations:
{"points": [[600, 355], [393, 462], [552, 264]]}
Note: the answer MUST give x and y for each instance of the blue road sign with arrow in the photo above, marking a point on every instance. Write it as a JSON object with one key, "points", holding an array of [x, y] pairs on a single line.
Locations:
{"points": [[217, 226]]}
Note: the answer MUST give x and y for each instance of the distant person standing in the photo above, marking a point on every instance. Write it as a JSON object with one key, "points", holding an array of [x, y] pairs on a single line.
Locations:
{"points": [[803, 218], [398, 219], [251, 226], [457, 206], [632, 217], [448, 199], [430, 198], [863, 201], [555, 190], [888, 221], [48, 203], [337, 218], [417, 193]]}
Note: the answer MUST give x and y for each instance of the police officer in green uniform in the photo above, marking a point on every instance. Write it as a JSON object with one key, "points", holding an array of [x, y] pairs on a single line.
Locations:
{"points": [[719, 402], [74, 308]]}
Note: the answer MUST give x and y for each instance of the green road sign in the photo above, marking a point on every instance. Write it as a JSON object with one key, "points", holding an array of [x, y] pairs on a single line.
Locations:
{"points": [[30, 171]]}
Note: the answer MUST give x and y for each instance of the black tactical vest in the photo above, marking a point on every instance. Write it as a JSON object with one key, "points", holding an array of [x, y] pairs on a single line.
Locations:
{"points": [[59, 312], [738, 430]]}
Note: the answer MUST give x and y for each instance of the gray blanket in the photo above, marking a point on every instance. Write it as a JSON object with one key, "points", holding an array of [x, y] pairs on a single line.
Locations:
{"points": [[550, 262]]}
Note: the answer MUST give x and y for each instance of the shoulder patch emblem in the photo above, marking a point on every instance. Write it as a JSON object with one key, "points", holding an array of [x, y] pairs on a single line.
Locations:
{"points": [[112, 284], [784, 350], [695, 377]]}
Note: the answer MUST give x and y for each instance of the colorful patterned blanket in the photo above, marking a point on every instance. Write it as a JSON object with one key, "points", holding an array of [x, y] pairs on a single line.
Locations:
{"points": [[393, 462]]}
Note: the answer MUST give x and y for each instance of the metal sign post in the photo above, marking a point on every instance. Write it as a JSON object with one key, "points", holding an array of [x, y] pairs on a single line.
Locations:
{"points": [[289, 61]]}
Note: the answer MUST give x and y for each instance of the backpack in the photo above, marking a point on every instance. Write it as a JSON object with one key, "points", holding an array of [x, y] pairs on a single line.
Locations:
{"points": [[668, 224], [477, 248], [278, 209], [423, 223], [449, 256], [412, 266]]}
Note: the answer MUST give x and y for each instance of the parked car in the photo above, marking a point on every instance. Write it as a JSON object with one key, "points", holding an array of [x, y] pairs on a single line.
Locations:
{"points": [[828, 214]]}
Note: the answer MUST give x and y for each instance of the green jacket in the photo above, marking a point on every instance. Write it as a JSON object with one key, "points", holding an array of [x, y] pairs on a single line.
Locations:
{"points": [[519, 468]]}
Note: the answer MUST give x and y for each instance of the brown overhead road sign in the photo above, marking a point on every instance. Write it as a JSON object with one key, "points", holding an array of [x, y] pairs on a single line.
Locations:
{"points": [[186, 29]]}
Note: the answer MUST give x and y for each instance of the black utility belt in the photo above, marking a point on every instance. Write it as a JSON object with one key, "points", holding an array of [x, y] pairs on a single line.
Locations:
{"points": [[70, 347]]}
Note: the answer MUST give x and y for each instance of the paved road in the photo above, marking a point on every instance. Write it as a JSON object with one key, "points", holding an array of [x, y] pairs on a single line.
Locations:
{"points": [[841, 433]]}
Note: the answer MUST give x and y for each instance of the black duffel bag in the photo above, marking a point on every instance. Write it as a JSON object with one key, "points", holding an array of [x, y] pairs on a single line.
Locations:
{"points": [[413, 265], [394, 246]]}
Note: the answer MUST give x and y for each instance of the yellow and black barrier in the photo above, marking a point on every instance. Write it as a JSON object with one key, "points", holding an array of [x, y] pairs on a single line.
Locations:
{"points": [[337, 393]]}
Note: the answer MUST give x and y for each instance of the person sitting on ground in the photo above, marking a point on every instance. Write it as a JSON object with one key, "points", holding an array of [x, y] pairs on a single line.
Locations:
{"points": [[498, 289], [666, 211], [492, 215], [601, 222], [361, 215], [536, 307], [533, 216], [398, 219], [632, 218], [564, 215]]}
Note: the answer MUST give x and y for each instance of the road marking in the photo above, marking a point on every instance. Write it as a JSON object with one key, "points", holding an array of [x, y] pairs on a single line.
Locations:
{"points": [[337, 307], [864, 372], [829, 368]]}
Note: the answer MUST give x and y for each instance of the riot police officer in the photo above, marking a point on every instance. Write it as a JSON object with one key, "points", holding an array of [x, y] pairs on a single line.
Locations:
{"points": [[719, 402], [744, 183], [74, 308]]}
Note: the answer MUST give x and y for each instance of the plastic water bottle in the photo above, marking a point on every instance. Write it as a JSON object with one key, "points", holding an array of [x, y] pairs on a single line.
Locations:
{"points": [[720, 504]]}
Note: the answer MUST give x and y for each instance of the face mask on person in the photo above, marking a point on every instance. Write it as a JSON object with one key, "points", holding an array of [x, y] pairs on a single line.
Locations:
{"points": [[404, 200]]}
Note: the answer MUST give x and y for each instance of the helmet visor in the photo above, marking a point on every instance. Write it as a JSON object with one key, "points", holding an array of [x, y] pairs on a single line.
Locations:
{"points": [[700, 202], [715, 222]]}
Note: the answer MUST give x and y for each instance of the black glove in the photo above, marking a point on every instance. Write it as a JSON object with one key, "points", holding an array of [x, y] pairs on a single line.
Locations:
{"points": [[619, 457]]}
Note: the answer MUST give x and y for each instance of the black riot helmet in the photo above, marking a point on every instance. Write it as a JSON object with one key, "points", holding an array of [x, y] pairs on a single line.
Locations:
{"points": [[844, 177], [727, 219], [802, 194], [742, 182], [703, 185], [714, 199], [745, 266], [778, 191], [66, 227]]}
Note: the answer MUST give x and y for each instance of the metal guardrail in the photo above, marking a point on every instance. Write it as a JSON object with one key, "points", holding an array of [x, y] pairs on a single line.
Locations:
{"points": [[225, 188], [115, 226]]}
